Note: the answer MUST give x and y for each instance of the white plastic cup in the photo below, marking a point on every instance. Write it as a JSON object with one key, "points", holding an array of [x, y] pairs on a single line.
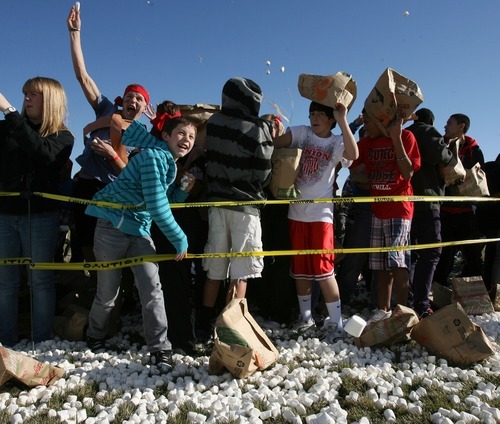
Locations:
{"points": [[355, 326]]}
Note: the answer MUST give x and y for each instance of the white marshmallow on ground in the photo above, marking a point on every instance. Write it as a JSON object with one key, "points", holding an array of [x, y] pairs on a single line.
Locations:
{"points": [[355, 326]]}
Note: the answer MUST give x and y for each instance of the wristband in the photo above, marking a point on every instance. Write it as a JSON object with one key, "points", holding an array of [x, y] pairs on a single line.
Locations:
{"points": [[115, 158], [74, 29], [403, 158]]}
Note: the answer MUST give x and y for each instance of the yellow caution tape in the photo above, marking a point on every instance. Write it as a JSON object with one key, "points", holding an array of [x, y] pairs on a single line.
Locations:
{"points": [[127, 262], [368, 199]]}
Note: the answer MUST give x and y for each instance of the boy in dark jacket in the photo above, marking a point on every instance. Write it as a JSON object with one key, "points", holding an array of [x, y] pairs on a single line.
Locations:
{"points": [[458, 219], [426, 222]]}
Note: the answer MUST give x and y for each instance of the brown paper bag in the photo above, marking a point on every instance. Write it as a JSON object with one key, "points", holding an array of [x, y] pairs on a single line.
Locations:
{"points": [[393, 95], [328, 90], [27, 370], [389, 331], [240, 345], [450, 333], [441, 295], [474, 185], [471, 293], [496, 295], [454, 171], [199, 112], [70, 325], [286, 163]]}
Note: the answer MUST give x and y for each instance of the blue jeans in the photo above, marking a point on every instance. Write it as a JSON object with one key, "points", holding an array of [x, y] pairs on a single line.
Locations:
{"points": [[111, 244], [14, 243]]}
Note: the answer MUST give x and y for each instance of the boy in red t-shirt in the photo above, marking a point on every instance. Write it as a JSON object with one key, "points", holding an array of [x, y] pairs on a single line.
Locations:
{"points": [[389, 164]]}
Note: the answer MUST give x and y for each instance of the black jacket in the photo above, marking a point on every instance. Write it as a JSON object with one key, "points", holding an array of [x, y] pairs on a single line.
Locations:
{"points": [[29, 162], [433, 151]]}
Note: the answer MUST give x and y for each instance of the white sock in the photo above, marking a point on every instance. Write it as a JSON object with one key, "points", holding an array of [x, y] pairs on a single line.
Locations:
{"points": [[334, 310], [305, 307]]}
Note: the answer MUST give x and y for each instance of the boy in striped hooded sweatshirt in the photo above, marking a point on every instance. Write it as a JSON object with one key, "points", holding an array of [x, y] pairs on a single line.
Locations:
{"points": [[120, 233], [239, 149]]}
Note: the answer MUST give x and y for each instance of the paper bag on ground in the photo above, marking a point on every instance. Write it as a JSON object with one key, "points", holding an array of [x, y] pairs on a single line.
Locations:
{"points": [[285, 170], [495, 293], [471, 293], [441, 295], [450, 333], [393, 95], [26, 369], [328, 90], [70, 325], [389, 331], [240, 345]]}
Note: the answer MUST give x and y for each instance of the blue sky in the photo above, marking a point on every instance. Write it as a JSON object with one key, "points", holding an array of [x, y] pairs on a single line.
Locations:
{"points": [[185, 51]]}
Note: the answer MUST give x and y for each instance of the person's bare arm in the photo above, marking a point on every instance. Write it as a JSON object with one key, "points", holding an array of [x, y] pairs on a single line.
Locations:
{"points": [[350, 146], [403, 162], [88, 85]]}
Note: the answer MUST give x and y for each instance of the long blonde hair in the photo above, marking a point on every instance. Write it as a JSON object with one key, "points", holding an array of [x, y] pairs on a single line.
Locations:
{"points": [[55, 109]]}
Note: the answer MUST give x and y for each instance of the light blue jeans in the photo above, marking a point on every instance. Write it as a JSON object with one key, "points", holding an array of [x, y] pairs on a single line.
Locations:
{"points": [[15, 243], [111, 244]]}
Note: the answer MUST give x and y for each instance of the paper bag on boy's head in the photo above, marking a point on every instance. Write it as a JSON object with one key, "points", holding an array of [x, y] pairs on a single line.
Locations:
{"points": [[240, 345], [450, 333], [328, 90], [393, 96], [26, 369], [392, 330], [286, 164]]}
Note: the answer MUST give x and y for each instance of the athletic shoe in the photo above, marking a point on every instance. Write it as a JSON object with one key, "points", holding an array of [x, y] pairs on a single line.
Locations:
{"points": [[379, 315], [162, 359], [96, 345], [300, 326], [330, 333], [427, 313]]}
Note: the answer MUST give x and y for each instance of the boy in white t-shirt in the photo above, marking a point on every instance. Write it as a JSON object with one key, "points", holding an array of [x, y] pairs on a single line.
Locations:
{"points": [[311, 224]]}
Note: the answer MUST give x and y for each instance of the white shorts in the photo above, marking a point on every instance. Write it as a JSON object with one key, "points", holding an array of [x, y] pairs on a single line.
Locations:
{"points": [[233, 231]]}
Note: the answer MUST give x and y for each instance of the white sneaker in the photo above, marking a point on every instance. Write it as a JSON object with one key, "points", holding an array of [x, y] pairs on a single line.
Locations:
{"points": [[379, 315], [300, 326], [330, 332]]}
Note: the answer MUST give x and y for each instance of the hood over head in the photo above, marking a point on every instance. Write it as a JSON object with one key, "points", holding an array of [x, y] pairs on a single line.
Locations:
{"points": [[241, 96]]}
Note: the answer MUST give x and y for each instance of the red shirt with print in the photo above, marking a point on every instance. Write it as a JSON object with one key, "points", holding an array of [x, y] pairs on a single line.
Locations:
{"points": [[385, 179]]}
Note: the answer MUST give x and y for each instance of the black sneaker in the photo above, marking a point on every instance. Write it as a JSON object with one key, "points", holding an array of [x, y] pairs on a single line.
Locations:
{"points": [[427, 313], [96, 345], [162, 359]]}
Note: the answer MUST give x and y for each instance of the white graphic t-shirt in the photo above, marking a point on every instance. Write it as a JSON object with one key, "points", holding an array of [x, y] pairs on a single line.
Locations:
{"points": [[319, 158]]}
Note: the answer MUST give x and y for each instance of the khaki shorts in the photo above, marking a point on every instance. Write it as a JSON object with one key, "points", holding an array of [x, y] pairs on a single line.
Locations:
{"points": [[233, 231]]}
